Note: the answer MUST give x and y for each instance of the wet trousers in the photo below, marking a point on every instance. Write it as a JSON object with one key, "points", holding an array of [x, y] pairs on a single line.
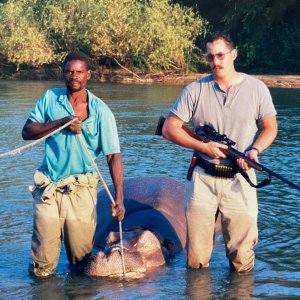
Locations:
{"points": [[63, 211], [237, 204]]}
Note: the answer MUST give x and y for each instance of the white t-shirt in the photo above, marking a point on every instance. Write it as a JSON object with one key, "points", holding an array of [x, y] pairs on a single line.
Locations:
{"points": [[236, 114]]}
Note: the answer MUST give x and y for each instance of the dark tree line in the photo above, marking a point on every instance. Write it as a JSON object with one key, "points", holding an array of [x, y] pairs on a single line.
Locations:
{"points": [[266, 32]]}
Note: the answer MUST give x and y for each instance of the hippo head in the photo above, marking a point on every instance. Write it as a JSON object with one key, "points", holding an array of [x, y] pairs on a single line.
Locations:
{"points": [[141, 250]]}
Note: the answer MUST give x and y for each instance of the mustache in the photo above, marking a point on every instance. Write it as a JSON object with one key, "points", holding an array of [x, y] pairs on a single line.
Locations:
{"points": [[73, 81], [217, 67]]}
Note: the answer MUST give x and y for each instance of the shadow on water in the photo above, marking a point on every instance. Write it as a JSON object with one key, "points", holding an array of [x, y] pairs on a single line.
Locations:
{"points": [[137, 108]]}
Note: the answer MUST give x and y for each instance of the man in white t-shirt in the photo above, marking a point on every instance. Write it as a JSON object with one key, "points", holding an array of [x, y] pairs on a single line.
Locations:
{"points": [[234, 104]]}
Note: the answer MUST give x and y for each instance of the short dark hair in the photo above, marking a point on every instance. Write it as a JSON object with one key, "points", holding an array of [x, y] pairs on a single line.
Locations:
{"points": [[77, 55], [220, 35]]}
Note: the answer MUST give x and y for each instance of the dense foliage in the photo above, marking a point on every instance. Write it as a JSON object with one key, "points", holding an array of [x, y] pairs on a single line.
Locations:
{"points": [[266, 32], [149, 34]]}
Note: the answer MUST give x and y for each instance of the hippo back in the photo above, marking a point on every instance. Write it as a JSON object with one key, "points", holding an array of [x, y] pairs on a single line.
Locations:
{"points": [[153, 203]]}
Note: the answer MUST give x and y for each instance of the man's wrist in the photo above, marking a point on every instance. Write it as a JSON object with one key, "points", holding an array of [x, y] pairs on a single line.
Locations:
{"points": [[257, 150]]}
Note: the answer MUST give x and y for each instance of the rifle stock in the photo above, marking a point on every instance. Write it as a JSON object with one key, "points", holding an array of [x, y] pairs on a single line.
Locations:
{"points": [[230, 151]]}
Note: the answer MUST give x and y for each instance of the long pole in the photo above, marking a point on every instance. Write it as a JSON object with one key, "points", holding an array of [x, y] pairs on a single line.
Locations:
{"points": [[81, 138]]}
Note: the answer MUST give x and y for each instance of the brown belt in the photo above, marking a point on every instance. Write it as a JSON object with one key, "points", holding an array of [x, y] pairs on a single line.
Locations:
{"points": [[216, 170]]}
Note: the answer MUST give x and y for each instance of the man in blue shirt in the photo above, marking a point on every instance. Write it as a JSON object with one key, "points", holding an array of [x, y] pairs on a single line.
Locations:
{"points": [[65, 185]]}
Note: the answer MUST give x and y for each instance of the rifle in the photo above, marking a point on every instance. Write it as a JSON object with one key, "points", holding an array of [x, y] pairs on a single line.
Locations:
{"points": [[209, 134]]}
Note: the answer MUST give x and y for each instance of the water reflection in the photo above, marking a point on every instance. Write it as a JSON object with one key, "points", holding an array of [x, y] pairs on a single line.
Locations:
{"points": [[198, 284], [72, 286], [201, 284]]}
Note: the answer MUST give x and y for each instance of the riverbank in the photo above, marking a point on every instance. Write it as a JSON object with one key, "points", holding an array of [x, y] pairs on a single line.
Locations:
{"points": [[126, 76], [274, 81]]}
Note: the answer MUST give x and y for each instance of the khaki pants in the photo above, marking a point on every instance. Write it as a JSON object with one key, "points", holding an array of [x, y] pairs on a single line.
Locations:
{"points": [[64, 211], [237, 203]]}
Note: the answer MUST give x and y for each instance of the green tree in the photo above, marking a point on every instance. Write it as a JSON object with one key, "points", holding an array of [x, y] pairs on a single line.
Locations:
{"points": [[113, 28], [21, 40], [165, 34], [68, 23], [150, 34], [153, 34]]}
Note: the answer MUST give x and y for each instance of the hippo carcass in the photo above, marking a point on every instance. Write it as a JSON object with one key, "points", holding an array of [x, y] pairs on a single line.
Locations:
{"points": [[154, 227]]}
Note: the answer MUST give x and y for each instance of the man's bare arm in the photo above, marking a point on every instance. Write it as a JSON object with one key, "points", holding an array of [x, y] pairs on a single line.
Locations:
{"points": [[174, 131], [116, 171], [35, 130]]}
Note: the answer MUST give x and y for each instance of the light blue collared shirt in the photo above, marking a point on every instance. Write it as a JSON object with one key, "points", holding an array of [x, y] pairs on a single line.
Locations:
{"points": [[64, 153]]}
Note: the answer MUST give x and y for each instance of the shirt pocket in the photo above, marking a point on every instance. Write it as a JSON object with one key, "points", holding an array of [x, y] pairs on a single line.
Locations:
{"points": [[90, 126]]}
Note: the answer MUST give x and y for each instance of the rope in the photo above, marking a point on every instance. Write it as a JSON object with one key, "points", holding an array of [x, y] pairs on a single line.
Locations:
{"points": [[18, 150], [109, 195]]}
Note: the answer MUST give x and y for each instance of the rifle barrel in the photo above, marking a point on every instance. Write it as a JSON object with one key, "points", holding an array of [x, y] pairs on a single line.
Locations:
{"points": [[253, 164], [272, 173]]}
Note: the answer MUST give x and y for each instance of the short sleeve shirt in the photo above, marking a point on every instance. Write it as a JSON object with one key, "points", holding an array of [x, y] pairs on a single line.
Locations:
{"points": [[235, 114], [64, 153]]}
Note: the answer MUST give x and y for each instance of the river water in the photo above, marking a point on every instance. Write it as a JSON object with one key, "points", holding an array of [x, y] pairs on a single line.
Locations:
{"points": [[137, 108]]}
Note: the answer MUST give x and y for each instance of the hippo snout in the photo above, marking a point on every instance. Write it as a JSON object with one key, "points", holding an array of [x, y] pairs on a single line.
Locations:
{"points": [[103, 265]]}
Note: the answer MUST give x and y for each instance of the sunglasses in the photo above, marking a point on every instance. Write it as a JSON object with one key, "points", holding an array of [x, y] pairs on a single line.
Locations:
{"points": [[220, 56]]}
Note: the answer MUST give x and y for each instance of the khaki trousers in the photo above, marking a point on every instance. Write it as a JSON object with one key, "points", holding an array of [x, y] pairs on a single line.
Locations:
{"points": [[64, 211], [237, 203]]}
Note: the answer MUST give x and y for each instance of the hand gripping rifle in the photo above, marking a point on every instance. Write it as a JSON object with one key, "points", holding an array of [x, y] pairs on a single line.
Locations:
{"points": [[209, 134]]}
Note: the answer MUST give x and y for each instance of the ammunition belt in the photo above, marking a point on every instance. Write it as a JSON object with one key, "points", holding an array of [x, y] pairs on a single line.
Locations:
{"points": [[216, 170]]}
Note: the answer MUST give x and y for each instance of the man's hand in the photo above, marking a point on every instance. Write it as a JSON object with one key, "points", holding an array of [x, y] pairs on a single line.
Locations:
{"points": [[214, 150], [252, 154], [174, 131], [76, 125], [118, 211]]}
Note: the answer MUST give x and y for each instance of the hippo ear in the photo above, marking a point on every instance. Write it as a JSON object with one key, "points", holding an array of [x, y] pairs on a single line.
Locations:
{"points": [[169, 245]]}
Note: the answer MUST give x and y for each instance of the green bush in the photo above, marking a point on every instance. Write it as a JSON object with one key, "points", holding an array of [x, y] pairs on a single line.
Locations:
{"points": [[21, 39], [153, 34]]}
